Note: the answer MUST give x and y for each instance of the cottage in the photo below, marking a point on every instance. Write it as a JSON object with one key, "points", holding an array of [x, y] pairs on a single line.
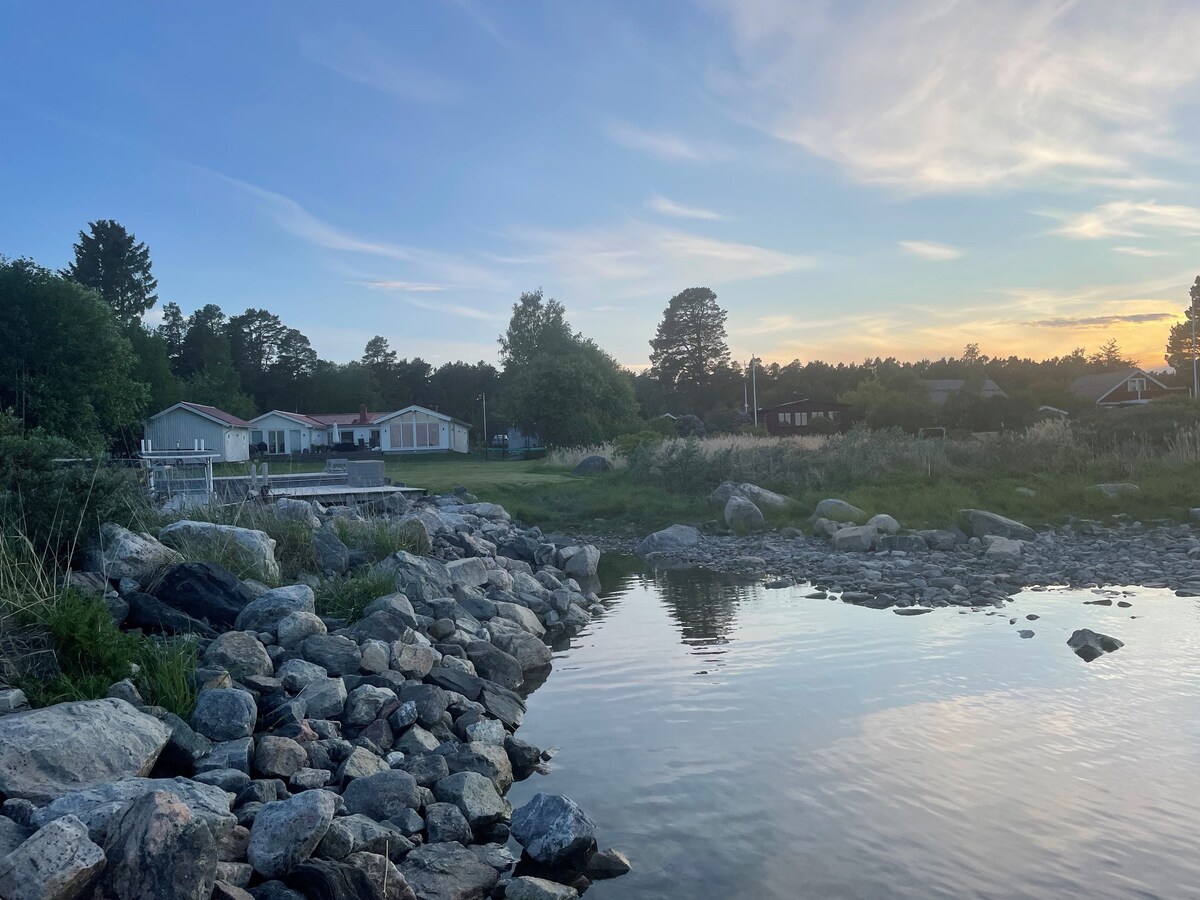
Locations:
{"points": [[286, 432], [416, 429], [413, 429], [800, 416], [185, 426], [1125, 387], [938, 390]]}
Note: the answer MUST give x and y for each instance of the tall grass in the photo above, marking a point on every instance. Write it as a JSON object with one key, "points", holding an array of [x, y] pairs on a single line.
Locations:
{"points": [[345, 596], [380, 538]]}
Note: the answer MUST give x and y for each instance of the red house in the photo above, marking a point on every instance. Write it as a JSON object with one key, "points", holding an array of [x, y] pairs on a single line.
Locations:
{"points": [[797, 416], [1127, 387]]}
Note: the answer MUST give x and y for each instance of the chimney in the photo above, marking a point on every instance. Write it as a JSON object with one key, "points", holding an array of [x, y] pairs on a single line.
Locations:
{"points": [[362, 414]]}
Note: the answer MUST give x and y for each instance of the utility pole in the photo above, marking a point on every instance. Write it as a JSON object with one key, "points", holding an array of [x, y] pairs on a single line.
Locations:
{"points": [[754, 384], [1195, 380], [486, 439]]}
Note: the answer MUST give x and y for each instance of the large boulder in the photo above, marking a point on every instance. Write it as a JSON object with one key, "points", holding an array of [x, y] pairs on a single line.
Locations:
{"points": [[673, 539], [48, 753], [151, 614], [580, 561], [855, 538], [250, 550], [1001, 548], [205, 591], [383, 795], [470, 571], [60, 862], [293, 510], [225, 714], [97, 806], [527, 887], [554, 830], [240, 653], [742, 515], [884, 523], [120, 553], [494, 664], [327, 879], [418, 577], [448, 872], [528, 650], [759, 496], [158, 848], [475, 796], [329, 553], [286, 832], [592, 465], [983, 524], [838, 511], [1089, 644], [264, 612]]}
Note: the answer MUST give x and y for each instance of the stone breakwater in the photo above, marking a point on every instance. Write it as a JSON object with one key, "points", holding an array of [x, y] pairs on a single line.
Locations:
{"points": [[324, 758]]}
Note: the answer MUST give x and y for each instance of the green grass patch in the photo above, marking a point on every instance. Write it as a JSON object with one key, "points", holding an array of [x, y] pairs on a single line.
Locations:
{"points": [[346, 596], [380, 538]]}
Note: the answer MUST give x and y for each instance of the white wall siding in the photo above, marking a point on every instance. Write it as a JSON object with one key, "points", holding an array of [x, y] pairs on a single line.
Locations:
{"points": [[180, 428], [415, 432], [297, 436], [460, 441]]}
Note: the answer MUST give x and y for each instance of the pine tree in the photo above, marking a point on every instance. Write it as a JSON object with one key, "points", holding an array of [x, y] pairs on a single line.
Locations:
{"points": [[111, 260], [689, 346], [1180, 348]]}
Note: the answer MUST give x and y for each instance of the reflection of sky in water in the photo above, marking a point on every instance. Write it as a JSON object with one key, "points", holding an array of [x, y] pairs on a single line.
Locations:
{"points": [[739, 742]]}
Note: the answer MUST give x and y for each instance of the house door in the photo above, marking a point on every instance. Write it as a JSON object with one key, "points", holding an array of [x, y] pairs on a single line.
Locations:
{"points": [[294, 440]]}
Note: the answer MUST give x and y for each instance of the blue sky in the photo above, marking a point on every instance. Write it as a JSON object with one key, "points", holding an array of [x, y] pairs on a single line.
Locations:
{"points": [[851, 178]]}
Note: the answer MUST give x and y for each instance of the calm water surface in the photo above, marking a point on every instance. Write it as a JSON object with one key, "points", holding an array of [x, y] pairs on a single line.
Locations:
{"points": [[743, 742]]}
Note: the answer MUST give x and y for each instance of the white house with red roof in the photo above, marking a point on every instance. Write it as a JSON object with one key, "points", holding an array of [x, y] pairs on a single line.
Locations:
{"points": [[413, 429], [187, 426]]}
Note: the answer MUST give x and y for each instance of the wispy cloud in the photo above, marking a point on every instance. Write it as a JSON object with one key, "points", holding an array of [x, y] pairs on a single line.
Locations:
{"points": [[409, 287], [451, 309], [949, 95], [1126, 218], [1139, 251], [931, 250], [1105, 321], [355, 55], [667, 207], [472, 11], [293, 218], [663, 144]]}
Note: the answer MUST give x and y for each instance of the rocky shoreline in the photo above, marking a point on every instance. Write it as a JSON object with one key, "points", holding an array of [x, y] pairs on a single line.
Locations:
{"points": [[324, 759]]}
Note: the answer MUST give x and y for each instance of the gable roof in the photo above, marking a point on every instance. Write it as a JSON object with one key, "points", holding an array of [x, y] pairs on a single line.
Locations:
{"points": [[414, 408], [209, 412], [940, 389], [295, 417], [807, 404], [1095, 388], [352, 418]]}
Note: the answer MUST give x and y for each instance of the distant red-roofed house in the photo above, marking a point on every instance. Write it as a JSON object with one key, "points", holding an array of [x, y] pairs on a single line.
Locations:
{"points": [[1124, 387], [187, 426]]}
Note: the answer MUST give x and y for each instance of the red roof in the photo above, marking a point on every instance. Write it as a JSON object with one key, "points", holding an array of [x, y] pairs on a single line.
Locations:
{"points": [[345, 418], [294, 416], [212, 411]]}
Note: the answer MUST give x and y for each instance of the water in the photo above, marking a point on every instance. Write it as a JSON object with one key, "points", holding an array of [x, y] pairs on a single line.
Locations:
{"points": [[738, 742]]}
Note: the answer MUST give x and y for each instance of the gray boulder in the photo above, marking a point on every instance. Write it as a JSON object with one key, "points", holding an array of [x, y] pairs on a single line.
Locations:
{"points": [[295, 627], [1089, 645], [1113, 491], [579, 562], [97, 806], [906, 543], [554, 830], [592, 465], [494, 664], [527, 887], [884, 524], [521, 616], [225, 714], [670, 540], [448, 872], [470, 571], [252, 551], [335, 653], [411, 660], [742, 515], [982, 524], [759, 496], [475, 796], [855, 538], [444, 822], [240, 653], [329, 553], [365, 702], [12, 836], [121, 553], [279, 757], [60, 862], [838, 511], [204, 590], [324, 698], [286, 832], [529, 651], [418, 577], [383, 795], [158, 848], [1001, 548], [48, 753], [266, 610], [292, 510]]}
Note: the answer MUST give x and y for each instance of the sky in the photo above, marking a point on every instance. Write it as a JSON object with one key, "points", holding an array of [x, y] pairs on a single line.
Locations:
{"points": [[853, 178]]}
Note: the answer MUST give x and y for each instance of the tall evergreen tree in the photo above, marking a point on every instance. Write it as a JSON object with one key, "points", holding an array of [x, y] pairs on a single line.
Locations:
{"points": [[1180, 348], [173, 330], [112, 261], [689, 346]]}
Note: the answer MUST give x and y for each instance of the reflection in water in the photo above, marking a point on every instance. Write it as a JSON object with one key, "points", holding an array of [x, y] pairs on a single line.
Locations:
{"points": [[844, 752]]}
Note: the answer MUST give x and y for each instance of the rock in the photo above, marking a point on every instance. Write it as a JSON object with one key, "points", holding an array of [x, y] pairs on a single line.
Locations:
{"points": [[592, 465], [449, 679], [286, 832], [123, 554], [1025, 634], [297, 674], [983, 523], [158, 848], [48, 753], [292, 510], [554, 830], [151, 614], [60, 862], [939, 538], [225, 714], [279, 757], [12, 836], [324, 879], [493, 511], [487, 731], [444, 822], [235, 754], [494, 664], [854, 538], [204, 591], [905, 543], [884, 524], [529, 651], [579, 562], [526, 887], [525, 618], [1025, 492], [741, 515], [383, 795], [240, 653], [838, 511], [1001, 547], [223, 890], [1089, 644], [419, 578], [265, 612], [295, 627], [335, 653], [252, 551], [383, 874], [607, 864], [475, 797], [12, 700], [502, 704], [670, 540], [470, 571], [1113, 491], [760, 497], [448, 872], [364, 704], [329, 553], [361, 763]]}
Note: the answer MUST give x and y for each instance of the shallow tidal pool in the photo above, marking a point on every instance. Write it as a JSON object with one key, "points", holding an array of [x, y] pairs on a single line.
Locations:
{"points": [[740, 742]]}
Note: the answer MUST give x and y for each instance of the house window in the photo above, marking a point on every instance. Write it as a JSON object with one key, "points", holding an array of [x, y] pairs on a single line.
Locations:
{"points": [[374, 437], [275, 442], [347, 437], [801, 418], [1137, 385], [256, 437]]}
